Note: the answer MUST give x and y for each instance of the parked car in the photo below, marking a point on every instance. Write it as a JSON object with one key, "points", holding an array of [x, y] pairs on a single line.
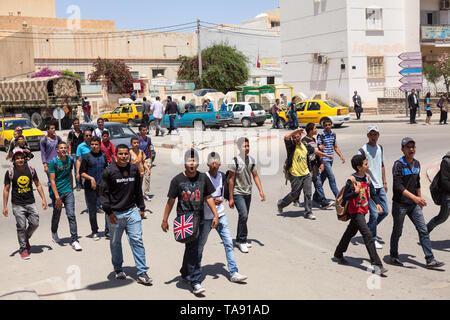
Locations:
{"points": [[246, 113], [119, 133], [199, 120], [317, 111], [130, 114], [30, 132]]}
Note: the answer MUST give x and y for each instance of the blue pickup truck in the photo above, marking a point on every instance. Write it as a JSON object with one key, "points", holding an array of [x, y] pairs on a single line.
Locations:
{"points": [[198, 120]]}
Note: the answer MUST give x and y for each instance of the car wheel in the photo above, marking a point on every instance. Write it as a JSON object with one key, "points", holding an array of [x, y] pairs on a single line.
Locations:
{"points": [[338, 125], [322, 121], [246, 123], [226, 125], [281, 124], [260, 124], [130, 122], [199, 125], [37, 121], [6, 145]]}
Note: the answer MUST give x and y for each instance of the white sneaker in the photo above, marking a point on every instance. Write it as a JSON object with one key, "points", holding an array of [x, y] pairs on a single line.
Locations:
{"points": [[237, 277], [197, 289], [249, 245], [95, 237], [378, 245], [310, 216], [243, 247], [76, 246], [55, 238]]}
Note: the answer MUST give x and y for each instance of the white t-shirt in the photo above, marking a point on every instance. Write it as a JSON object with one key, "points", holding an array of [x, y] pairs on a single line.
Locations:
{"points": [[218, 184], [375, 159], [98, 133]]}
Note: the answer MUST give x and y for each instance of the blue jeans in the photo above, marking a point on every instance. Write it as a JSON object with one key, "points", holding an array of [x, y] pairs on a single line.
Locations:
{"points": [[172, 123], [319, 194], [224, 232], [68, 200], [129, 221], [442, 216], [93, 199], [191, 269], [328, 173], [376, 218], [413, 211], [275, 119], [242, 203]]}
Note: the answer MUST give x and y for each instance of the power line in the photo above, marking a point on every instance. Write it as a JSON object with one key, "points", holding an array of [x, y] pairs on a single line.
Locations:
{"points": [[240, 33], [238, 27]]}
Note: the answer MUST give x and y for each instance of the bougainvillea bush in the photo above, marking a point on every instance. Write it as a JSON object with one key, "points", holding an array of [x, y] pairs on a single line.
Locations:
{"points": [[46, 72]]}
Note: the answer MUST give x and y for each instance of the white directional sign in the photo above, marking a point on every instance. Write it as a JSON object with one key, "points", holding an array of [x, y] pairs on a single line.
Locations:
{"points": [[409, 86], [411, 64], [137, 86], [163, 82], [411, 56], [411, 79]]}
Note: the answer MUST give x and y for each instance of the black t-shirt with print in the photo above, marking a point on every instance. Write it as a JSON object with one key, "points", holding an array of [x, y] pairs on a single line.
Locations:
{"points": [[22, 186], [190, 193]]}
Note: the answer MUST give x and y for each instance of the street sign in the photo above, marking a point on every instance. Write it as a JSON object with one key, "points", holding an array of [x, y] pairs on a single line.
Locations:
{"points": [[411, 64], [163, 82], [415, 71], [59, 113], [411, 56], [411, 79], [409, 86], [137, 86]]}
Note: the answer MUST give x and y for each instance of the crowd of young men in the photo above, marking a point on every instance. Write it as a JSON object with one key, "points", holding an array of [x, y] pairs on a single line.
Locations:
{"points": [[113, 177]]}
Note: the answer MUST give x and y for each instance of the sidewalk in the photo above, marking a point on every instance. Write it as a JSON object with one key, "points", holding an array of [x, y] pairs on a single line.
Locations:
{"points": [[390, 118]]}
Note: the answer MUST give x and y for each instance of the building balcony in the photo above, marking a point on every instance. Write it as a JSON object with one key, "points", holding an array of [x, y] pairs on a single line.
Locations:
{"points": [[435, 34]]}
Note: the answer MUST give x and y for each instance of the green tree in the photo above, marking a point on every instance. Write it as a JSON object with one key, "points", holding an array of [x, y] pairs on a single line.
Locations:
{"points": [[224, 68], [443, 65], [432, 73]]}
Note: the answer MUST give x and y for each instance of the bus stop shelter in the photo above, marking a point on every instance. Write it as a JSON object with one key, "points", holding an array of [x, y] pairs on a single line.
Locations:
{"points": [[260, 90]]}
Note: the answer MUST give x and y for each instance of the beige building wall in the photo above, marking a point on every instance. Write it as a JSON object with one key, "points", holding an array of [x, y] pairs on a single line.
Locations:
{"points": [[29, 8], [17, 56], [16, 23]]}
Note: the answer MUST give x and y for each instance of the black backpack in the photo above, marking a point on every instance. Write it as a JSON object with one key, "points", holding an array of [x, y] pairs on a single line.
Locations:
{"points": [[226, 185], [435, 188]]}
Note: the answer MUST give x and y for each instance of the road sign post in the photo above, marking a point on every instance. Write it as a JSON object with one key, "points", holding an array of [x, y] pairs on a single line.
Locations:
{"points": [[412, 73], [59, 114]]}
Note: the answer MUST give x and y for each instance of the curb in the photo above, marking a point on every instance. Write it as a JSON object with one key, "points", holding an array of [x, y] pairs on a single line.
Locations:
{"points": [[406, 121]]}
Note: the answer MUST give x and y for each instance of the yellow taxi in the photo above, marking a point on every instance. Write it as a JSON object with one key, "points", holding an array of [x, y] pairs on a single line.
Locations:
{"points": [[317, 111], [30, 132], [129, 114]]}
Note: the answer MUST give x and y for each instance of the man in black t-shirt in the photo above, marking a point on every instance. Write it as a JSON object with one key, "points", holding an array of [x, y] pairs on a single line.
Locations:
{"points": [[192, 189], [21, 178], [74, 139]]}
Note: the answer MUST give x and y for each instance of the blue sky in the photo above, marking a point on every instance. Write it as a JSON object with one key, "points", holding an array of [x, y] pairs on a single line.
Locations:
{"points": [[144, 14]]}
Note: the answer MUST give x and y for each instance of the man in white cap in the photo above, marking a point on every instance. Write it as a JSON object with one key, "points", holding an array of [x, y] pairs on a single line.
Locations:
{"points": [[20, 179], [374, 154]]}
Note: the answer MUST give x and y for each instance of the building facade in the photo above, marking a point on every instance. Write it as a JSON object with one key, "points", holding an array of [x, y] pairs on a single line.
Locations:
{"points": [[348, 45]]}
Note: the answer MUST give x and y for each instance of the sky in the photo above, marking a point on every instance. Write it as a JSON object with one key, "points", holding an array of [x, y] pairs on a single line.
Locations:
{"points": [[145, 14]]}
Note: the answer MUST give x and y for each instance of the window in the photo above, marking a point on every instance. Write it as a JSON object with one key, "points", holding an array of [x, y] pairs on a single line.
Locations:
{"points": [[126, 110], [117, 110], [313, 106], [135, 74], [83, 77], [155, 72], [275, 24], [239, 107], [374, 19], [375, 67], [270, 80], [256, 107], [301, 106]]}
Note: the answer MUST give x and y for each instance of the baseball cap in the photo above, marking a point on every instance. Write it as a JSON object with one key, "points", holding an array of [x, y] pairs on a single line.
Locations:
{"points": [[373, 128], [191, 153], [213, 156], [17, 151], [407, 140]]}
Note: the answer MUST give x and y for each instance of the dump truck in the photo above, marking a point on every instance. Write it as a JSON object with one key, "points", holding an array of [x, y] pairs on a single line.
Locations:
{"points": [[37, 98]]}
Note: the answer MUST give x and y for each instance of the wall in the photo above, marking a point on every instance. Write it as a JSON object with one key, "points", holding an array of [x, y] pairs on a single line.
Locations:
{"points": [[309, 27], [397, 106], [15, 23], [30, 8], [17, 57]]}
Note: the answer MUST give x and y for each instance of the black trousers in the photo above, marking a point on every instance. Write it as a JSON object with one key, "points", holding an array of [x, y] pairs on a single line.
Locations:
{"points": [[358, 223], [443, 117], [412, 114]]}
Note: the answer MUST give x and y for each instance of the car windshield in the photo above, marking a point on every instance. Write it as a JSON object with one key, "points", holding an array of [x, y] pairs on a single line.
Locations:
{"points": [[118, 132], [256, 106], [13, 124], [332, 104], [139, 108]]}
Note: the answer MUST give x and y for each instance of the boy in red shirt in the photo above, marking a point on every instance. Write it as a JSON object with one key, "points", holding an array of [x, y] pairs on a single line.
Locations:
{"points": [[357, 192]]}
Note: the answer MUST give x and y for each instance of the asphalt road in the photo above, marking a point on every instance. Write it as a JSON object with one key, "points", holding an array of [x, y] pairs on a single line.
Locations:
{"points": [[290, 258]]}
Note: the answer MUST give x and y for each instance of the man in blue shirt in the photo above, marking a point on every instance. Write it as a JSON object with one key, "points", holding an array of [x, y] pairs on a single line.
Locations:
{"points": [[210, 106], [327, 143], [224, 106]]}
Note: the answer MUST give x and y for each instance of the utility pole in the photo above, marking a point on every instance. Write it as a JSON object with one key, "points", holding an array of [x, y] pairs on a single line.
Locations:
{"points": [[200, 66]]}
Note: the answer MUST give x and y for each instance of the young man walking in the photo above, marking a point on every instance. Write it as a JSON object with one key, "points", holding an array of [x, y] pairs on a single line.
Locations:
{"points": [[145, 144], [172, 111], [444, 187], [357, 105], [100, 128], [327, 144], [20, 180], [275, 118], [358, 190], [374, 155], [146, 113], [217, 178], [413, 102], [74, 139], [298, 166], [242, 170], [91, 170], [408, 201], [158, 113], [192, 189], [61, 179], [316, 166], [122, 200], [49, 148]]}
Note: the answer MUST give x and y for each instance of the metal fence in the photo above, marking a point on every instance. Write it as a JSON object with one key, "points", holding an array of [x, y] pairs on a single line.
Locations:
{"points": [[396, 93]]}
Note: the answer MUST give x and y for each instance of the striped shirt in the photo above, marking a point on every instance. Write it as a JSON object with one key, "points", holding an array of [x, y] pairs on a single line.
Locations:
{"points": [[328, 140]]}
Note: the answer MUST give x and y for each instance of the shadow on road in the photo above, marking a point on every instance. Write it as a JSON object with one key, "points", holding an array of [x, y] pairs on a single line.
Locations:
{"points": [[34, 250], [292, 214], [405, 258], [442, 245]]}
